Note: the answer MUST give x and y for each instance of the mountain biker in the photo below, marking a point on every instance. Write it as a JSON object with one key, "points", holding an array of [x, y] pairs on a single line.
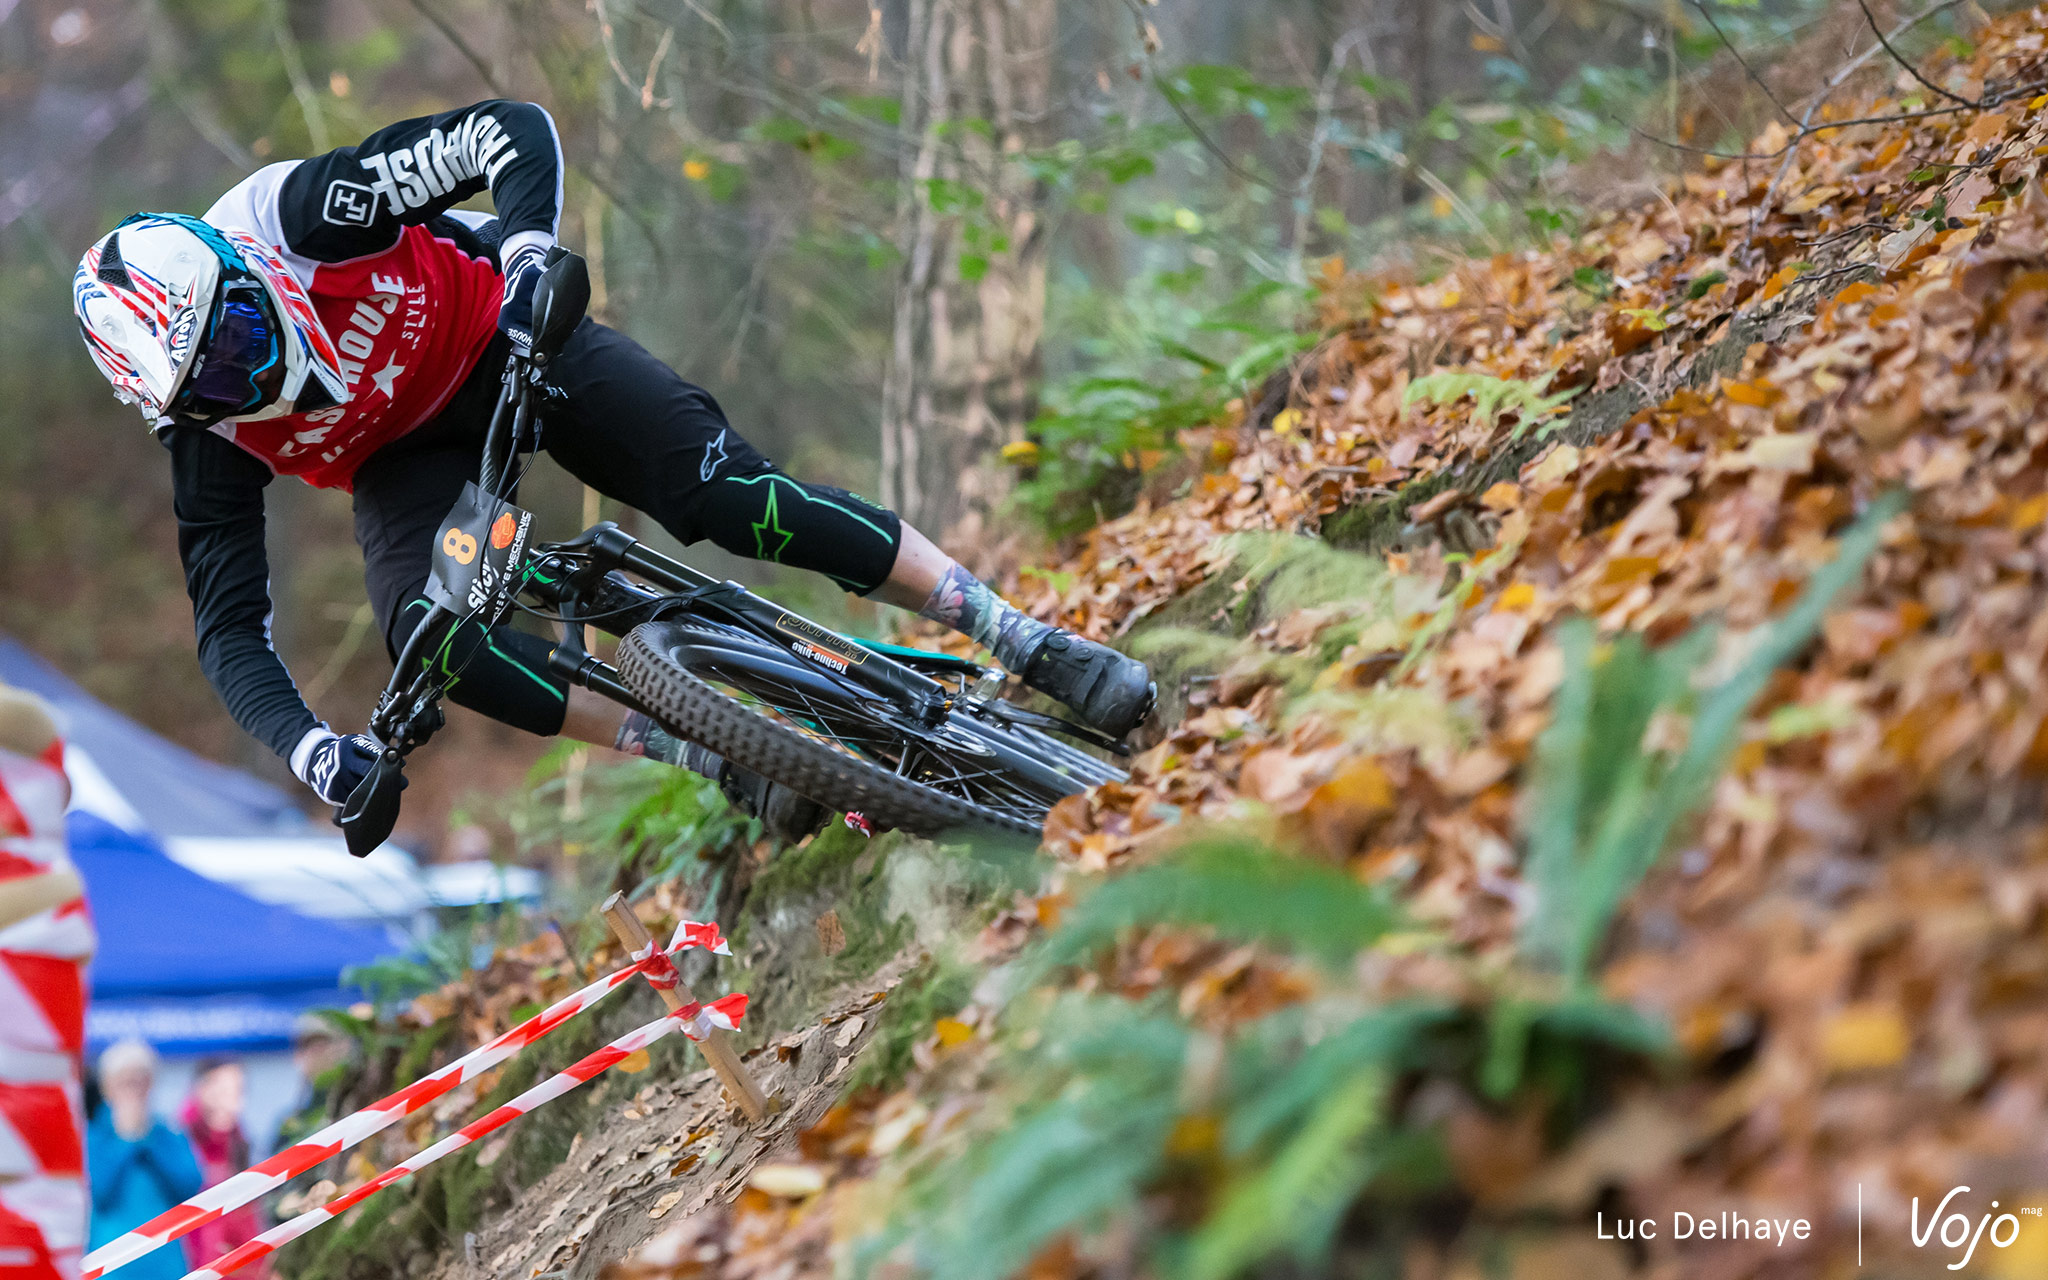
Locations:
{"points": [[337, 319]]}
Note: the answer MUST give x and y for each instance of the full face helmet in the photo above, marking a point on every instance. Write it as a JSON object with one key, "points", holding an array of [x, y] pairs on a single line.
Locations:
{"points": [[186, 319]]}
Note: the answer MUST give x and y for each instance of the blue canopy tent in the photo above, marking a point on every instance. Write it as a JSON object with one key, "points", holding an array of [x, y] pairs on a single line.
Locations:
{"points": [[191, 965], [238, 829]]}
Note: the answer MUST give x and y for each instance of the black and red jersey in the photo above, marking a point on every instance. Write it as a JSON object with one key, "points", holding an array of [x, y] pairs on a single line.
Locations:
{"points": [[407, 300]]}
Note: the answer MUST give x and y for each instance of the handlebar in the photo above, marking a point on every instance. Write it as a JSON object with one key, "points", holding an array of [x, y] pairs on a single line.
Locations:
{"points": [[409, 711]]}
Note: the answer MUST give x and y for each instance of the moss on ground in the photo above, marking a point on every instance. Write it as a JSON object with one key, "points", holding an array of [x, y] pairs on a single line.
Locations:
{"points": [[937, 988]]}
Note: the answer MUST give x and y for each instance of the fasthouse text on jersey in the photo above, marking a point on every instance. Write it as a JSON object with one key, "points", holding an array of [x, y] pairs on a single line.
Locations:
{"points": [[432, 167]]}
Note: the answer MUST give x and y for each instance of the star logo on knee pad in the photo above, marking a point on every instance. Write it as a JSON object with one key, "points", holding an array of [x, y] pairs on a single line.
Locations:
{"points": [[770, 526]]}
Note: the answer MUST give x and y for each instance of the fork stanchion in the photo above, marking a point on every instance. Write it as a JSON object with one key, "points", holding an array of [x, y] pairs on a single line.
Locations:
{"points": [[717, 1046]]}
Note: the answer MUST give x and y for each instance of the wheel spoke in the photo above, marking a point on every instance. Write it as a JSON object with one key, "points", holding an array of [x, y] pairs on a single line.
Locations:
{"points": [[862, 729]]}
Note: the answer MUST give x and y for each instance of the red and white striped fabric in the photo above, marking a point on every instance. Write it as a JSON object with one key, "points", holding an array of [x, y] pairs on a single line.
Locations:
{"points": [[352, 1129], [662, 973], [43, 952], [692, 1020], [692, 934], [722, 1014], [42, 1228]]}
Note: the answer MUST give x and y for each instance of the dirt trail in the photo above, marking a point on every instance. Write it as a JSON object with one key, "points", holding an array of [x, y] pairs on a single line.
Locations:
{"points": [[670, 1150]]}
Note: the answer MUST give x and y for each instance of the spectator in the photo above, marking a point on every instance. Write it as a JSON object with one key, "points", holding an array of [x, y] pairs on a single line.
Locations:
{"points": [[320, 1052], [212, 1117], [45, 939], [318, 1047], [139, 1165]]}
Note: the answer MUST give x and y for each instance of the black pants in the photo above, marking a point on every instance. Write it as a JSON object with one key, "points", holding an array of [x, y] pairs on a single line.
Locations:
{"points": [[635, 431]]}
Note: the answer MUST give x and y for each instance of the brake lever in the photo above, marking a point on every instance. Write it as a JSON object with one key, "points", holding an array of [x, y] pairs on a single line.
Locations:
{"points": [[367, 817]]}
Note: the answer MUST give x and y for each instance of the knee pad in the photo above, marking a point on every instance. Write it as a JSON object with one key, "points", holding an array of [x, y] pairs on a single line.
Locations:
{"points": [[500, 673], [807, 526]]}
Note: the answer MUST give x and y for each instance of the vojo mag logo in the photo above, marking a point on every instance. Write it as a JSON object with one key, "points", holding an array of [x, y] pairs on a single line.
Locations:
{"points": [[2000, 1230]]}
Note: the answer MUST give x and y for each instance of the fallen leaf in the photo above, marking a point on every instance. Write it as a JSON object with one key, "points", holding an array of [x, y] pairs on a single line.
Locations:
{"points": [[1505, 495], [1865, 1037], [668, 1200], [1516, 597], [1552, 467], [787, 1181], [1790, 452], [831, 933], [1429, 509]]}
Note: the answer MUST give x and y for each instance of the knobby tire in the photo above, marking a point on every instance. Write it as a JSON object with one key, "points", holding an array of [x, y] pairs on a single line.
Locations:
{"points": [[689, 707]]}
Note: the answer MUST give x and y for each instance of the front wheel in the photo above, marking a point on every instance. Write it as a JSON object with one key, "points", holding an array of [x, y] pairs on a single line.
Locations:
{"points": [[794, 724]]}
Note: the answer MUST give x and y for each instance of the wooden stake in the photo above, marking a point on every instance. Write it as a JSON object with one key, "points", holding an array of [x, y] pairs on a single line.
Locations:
{"points": [[718, 1050]]}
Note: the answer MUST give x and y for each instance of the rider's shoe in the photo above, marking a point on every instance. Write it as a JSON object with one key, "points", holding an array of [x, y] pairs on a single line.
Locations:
{"points": [[1111, 691], [785, 815]]}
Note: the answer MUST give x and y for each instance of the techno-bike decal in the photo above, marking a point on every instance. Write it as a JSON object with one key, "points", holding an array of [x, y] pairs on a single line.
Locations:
{"points": [[826, 648]]}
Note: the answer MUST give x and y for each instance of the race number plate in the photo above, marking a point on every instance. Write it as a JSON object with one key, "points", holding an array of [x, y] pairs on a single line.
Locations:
{"points": [[477, 549]]}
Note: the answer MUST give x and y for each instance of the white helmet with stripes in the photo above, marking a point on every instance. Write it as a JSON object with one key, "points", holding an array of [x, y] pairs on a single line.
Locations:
{"points": [[181, 316]]}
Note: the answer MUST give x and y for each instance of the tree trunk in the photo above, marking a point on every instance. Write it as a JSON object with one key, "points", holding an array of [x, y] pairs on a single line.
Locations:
{"points": [[970, 295], [1416, 59]]}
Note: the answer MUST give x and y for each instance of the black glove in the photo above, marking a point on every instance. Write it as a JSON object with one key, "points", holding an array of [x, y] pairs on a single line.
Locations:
{"points": [[335, 764], [515, 316]]}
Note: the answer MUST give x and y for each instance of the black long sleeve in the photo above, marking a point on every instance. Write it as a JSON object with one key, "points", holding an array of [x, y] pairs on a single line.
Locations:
{"points": [[353, 201], [217, 493]]}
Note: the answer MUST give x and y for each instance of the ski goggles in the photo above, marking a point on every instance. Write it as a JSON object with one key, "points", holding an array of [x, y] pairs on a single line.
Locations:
{"points": [[242, 345]]}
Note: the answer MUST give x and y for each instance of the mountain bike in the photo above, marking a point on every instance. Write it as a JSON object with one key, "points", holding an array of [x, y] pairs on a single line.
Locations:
{"points": [[902, 738]]}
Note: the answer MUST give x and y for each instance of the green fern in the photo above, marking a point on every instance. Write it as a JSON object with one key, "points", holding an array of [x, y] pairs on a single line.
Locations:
{"points": [[1603, 807], [1491, 396], [1239, 889], [657, 821], [1294, 1202], [1097, 1100]]}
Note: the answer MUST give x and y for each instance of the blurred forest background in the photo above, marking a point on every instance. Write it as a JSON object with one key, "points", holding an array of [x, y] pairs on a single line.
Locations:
{"points": [[979, 258]]}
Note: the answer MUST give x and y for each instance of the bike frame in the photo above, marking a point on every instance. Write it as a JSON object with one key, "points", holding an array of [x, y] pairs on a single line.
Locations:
{"points": [[580, 579]]}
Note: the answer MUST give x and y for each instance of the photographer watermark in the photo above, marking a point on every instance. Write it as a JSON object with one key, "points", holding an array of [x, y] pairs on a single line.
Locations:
{"points": [[1725, 1225], [1949, 1226]]}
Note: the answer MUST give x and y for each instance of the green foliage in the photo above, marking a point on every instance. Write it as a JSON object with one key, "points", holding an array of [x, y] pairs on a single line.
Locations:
{"points": [[1229, 884], [1137, 394], [436, 959], [1292, 1203], [1492, 396], [652, 820], [1095, 1106], [938, 988], [1095, 1112], [1604, 801], [1095, 1109]]}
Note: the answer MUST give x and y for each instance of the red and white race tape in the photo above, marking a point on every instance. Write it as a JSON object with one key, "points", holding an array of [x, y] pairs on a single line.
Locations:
{"points": [[693, 1020], [231, 1194], [662, 973]]}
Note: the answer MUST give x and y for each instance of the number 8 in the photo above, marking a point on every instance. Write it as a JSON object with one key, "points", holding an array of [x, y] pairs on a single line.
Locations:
{"points": [[459, 545]]}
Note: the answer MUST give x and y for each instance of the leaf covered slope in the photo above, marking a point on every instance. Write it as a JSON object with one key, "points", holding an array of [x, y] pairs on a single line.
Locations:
{"points": [[1846, 951]]}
